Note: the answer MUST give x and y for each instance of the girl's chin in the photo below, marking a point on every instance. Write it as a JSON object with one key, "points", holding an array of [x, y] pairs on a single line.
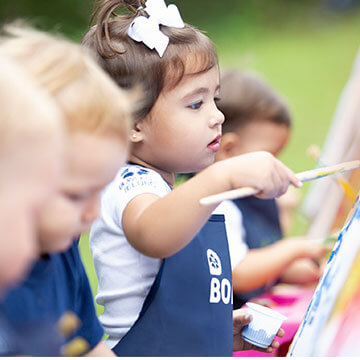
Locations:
{"points": [[209, 161]]}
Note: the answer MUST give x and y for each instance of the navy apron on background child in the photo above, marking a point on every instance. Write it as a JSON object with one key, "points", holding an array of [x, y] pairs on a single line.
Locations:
{"points": [[192, 290], [260, 220], [262, 228]]}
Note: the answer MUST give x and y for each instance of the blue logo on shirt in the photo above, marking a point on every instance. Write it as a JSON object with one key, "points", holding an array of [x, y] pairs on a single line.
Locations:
{"points": [[127, 173], [143, 171]]}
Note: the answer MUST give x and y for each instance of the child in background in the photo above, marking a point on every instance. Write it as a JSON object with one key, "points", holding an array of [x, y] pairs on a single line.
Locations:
{"points": [[31, 145], [97, 119], [257, 119], [163, 266]]}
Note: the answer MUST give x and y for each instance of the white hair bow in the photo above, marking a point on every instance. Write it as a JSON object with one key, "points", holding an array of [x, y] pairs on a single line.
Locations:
{"points": [[147, 30]]}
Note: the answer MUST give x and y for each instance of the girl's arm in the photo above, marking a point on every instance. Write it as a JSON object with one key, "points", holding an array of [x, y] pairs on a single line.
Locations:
{"points": [[160, 227]]}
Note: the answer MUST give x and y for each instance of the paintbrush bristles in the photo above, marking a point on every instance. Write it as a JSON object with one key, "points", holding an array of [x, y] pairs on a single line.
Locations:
{"points": [[328, 170]]}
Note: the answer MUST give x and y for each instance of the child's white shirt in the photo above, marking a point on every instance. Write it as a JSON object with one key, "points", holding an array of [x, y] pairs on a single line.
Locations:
{"points": [[235, 231], [125, 276]]}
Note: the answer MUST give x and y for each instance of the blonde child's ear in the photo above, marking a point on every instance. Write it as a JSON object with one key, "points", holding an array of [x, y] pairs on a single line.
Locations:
{"points": [[229, 146]]}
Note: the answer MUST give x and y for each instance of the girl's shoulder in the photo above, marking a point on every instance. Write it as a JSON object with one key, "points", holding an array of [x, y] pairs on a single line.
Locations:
{"points": [[137, 175], [130, 170], [133, 179]]}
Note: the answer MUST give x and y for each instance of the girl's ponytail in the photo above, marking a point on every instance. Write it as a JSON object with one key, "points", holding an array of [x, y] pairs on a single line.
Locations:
{"points": [[104, 13]]}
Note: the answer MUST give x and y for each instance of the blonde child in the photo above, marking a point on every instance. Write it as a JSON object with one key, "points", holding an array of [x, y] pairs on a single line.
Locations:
{"points": [[97, 117], [258, 119], [163, 266], [31, 145]]}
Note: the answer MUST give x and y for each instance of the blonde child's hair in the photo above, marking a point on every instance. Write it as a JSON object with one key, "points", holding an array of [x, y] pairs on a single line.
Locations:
{"points": [[27, 113], [131, 63], [90, 101]]}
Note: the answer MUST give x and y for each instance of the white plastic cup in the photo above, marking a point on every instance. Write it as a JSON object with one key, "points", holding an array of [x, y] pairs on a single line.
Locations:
{"points": [[264, 326]]}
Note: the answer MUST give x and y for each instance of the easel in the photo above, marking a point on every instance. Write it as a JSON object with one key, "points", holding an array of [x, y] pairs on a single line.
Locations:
{"points": [[325, 204]]}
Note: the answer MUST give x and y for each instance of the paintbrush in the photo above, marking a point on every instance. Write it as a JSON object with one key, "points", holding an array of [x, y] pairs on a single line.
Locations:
{"points": [[302, 176]]}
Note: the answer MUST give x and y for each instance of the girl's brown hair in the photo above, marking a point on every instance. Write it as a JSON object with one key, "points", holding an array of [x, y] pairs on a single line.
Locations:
{"points": [[131, 63], [246, 98]]}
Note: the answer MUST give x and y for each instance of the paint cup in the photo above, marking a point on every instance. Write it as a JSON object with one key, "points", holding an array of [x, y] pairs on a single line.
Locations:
{"points": [[264, 326]]}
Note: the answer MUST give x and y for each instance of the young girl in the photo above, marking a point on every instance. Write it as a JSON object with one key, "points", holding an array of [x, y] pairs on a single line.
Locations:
{"points": [[163, 266]]}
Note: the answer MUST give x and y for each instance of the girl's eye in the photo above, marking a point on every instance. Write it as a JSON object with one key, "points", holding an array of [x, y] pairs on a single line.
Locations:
{"points": [[216, 99], [196, 106]]}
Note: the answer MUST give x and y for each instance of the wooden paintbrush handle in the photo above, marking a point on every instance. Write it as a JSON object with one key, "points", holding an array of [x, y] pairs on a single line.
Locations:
{"points": [[303, 176]]}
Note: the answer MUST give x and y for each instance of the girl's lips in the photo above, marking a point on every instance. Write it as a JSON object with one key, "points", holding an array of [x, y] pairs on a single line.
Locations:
{"points": [[215, 144]]}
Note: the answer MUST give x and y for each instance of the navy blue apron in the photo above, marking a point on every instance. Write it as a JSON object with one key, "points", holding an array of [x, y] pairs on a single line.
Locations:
{"points": [[262, 226], [260, 220], [188, 311]]}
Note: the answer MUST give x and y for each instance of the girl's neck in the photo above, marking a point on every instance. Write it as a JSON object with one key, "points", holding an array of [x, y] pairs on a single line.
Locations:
{"points": [[167, 176]]}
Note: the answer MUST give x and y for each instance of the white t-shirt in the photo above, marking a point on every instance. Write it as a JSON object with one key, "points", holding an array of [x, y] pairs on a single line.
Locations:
{"points": [[125, 276], [235, 231]]}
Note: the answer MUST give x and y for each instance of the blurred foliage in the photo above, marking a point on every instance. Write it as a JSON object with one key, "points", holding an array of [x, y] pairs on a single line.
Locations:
{"points": [[71, 17]]}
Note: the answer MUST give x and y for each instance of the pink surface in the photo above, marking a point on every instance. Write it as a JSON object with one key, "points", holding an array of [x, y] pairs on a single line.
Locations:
{"points": [[291, 302]]}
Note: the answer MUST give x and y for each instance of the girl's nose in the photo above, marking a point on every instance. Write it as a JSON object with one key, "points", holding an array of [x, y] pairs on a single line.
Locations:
{"points": [[217, 118]]}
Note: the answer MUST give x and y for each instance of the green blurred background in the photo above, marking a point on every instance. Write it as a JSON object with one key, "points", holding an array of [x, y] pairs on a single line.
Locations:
{"points": [[303, 48]]}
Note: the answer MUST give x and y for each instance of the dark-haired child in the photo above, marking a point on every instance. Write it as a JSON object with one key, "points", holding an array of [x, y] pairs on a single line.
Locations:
{"points": [[257, 119]]}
